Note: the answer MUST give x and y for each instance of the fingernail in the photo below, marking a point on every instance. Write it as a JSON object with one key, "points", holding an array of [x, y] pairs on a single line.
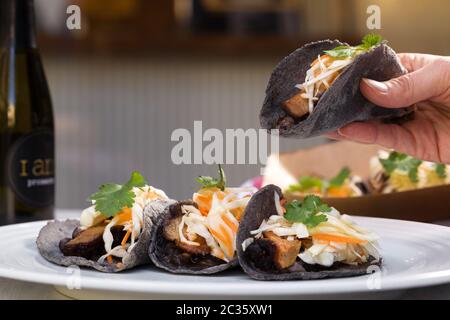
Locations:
{"points": [[345, 131], [379, 86], [341, 131]]}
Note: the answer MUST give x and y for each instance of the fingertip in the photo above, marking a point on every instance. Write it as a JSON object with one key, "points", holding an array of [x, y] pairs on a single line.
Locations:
{"points": [[334, 135], [386, 94], [372, 89], [363, 132]]}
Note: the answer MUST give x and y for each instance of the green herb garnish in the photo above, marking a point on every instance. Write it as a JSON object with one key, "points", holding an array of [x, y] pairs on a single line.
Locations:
{"points": [[307, 211], [210, 182], [369, 41], [402, 162], [340, 178], [307, 183], [112, 198], [441, 170]]}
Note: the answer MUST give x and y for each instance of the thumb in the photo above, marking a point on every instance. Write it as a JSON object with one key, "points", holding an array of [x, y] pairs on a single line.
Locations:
{"points": [[405, 90]]}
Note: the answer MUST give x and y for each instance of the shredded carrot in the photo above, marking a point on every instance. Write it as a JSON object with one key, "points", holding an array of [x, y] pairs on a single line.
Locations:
{"points": [[109, 259], [125, 238], [217, 235], [229, 223], [124, 215], [229, 242], [204, 197], [221, 256], [339, 191], [335, 238], [203, 202], [237, 213], [220, 195], [224, 238], [322, 57]]}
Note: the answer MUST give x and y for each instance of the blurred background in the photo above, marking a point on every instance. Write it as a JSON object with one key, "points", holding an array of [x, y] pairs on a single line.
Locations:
{"points": [[139, 69]]}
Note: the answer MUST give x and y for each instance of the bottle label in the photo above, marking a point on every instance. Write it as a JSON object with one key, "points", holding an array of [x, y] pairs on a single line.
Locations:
{"points": [[30, 168]]}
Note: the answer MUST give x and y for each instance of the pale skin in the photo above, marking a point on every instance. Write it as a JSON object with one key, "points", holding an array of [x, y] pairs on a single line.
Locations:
{"points": [[427, 87]]}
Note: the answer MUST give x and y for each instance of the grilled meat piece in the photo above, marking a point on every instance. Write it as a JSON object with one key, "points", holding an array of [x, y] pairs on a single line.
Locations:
{"points": [[89, 243], [285, 123], [261, 253], [171, 234], [296, 106], [286, 251], [171, 229], [201, 249]]}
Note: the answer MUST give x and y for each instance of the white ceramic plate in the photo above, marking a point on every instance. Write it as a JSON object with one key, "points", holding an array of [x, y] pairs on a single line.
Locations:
{"points": [[415, 254]]}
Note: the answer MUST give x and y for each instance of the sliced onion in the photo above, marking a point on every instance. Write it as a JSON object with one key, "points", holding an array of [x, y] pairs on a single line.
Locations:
{"points": [[278, 204], [246, 243]]}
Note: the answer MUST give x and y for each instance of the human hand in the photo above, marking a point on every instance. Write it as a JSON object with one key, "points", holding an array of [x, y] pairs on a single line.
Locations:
{"points": [[427, 86]]}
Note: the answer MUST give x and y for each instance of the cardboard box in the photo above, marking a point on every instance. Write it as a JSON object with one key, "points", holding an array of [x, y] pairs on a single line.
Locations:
{"points": [[428, 204]]}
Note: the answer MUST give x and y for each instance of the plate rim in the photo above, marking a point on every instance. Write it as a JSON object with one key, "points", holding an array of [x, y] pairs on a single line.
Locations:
{"points": [[334, 286]]}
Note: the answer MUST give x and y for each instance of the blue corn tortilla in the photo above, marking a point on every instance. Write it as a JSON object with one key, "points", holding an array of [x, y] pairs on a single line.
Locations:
{"points": [[166, 255], [341, 104], [51, 234], [261, 206]]}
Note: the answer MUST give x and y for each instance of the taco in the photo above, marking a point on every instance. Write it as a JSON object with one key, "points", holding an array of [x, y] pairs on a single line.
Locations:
{"points": [[343, 185], [198, 236], [112, 235], [315, 89], [301, 240], [395, 172]]}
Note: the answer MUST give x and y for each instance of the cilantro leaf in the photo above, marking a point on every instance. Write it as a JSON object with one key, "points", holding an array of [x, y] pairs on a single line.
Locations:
{"points": [[370, 40], [441, 170], [345, 51], [307, 183], [111, 198], [311, 184], [340, 178], [402, 162], [341, 52], [210, 182], [307, 211]]}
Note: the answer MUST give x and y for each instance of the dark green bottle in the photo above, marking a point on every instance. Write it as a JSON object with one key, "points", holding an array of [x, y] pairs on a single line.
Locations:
{"points": [[27, 180]]}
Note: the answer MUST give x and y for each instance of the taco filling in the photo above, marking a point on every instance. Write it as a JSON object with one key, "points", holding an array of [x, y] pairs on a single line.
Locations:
{"points": [[308, 233], [208, 226], [323, 71], [110, 228], [343, 185], [394, 172]]}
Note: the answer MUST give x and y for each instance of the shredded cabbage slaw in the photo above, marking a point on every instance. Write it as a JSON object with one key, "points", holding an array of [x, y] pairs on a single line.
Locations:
{"points": [[216, 219], [338, 239], [132, 220], [322, 73]]}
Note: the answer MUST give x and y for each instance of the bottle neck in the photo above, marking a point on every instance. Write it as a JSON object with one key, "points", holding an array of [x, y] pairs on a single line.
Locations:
{"points": [[17, 24]]}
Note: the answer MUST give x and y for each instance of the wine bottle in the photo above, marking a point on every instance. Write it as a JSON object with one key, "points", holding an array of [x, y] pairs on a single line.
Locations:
{"points": [[27, 179]]}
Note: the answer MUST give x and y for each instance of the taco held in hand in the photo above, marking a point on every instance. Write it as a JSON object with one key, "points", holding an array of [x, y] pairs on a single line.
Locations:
{"points": [[315, 89], [301, 240], [199, 236], [112, 235]]}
